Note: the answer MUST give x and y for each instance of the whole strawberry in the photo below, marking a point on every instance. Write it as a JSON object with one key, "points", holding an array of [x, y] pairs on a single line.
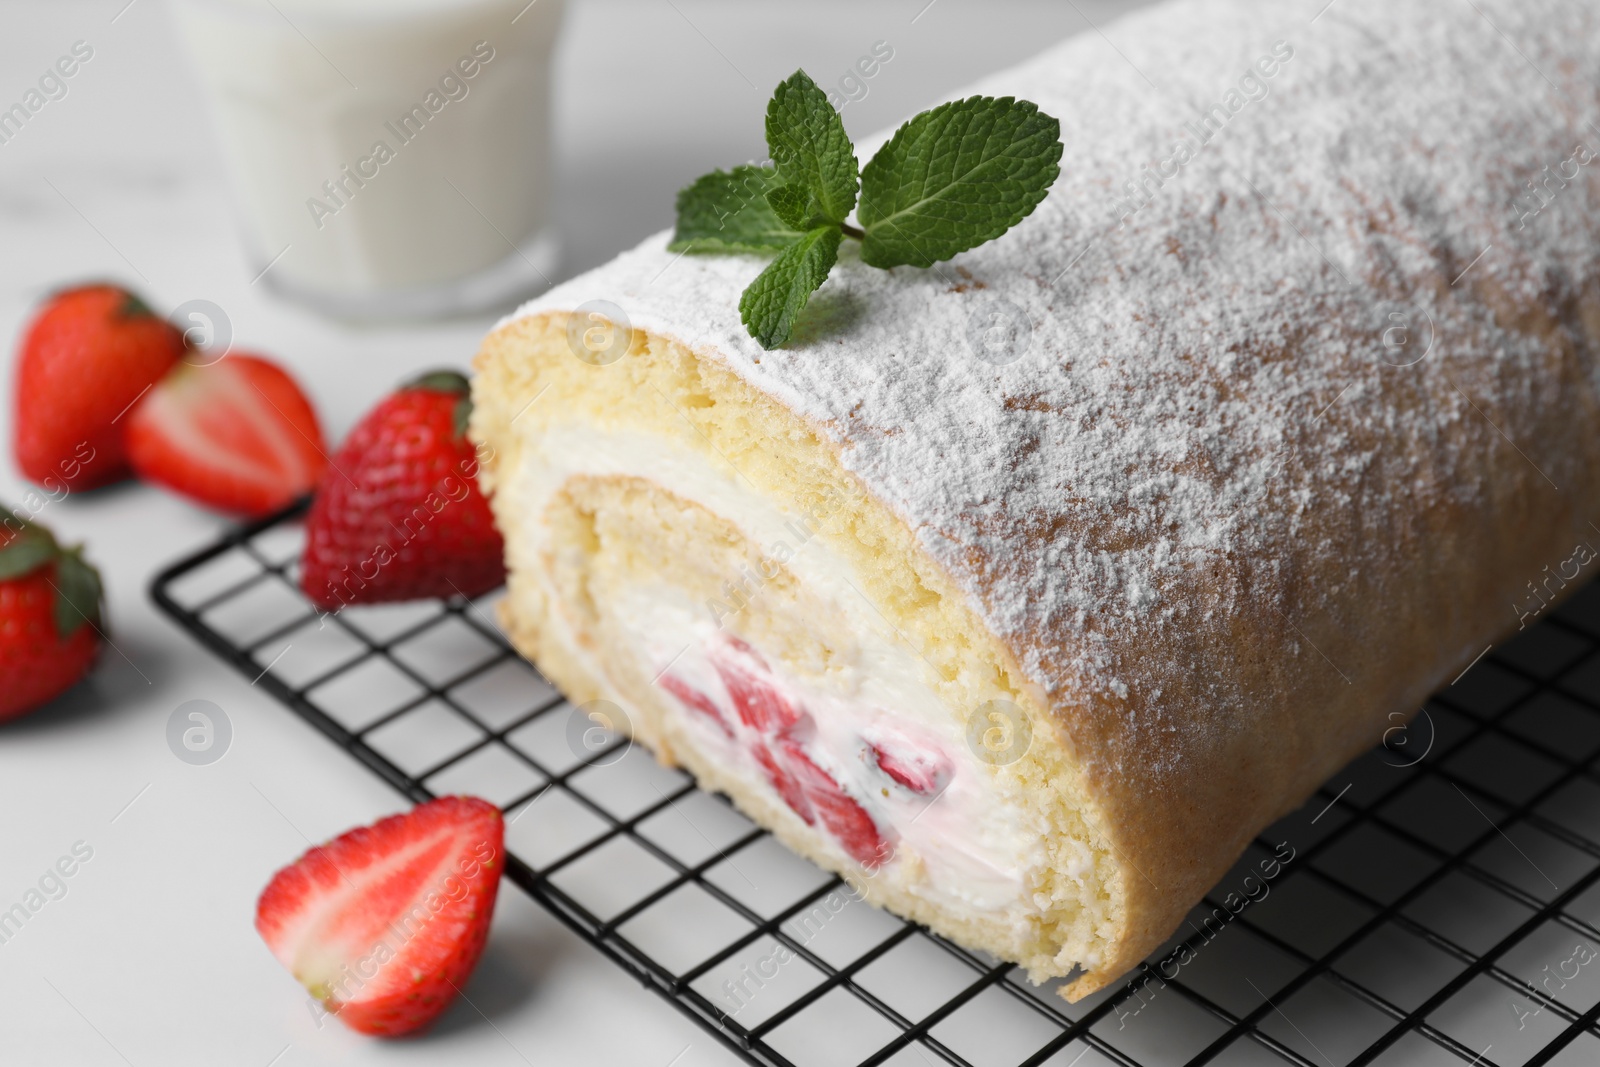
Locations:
{"points": [[398, 515], [49, 616], [385, 923], [87, 356]]}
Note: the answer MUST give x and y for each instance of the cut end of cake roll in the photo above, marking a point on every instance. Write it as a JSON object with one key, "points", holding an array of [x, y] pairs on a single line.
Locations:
{"points": [[683, 545], [1026, 601]]}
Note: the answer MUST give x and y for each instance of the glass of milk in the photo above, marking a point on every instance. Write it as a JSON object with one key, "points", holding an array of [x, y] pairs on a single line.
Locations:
{"points": [[390, 158]]}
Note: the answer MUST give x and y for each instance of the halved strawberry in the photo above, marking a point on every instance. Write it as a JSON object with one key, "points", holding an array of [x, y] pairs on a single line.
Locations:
{"points": [[237, 435], [385, 923]]}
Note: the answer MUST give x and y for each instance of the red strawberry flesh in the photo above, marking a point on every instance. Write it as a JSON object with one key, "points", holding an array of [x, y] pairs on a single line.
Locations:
{"points": [[750, 683], [923, 773], [691, 697], [777, 733], [792, 792], [841, 813], [237, 435], [385, 923]]}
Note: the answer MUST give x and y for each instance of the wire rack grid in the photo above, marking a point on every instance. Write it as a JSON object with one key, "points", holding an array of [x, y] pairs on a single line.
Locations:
{"points": [[1439, 903]]}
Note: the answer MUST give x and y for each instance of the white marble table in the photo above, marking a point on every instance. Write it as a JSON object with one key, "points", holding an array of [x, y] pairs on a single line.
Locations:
{"points": [[150, 957]]}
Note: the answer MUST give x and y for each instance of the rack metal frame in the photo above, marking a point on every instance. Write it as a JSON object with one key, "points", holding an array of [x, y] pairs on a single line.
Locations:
{"points": [[1491, 737]]}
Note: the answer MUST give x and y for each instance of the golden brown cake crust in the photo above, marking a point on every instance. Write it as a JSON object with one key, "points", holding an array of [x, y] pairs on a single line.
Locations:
{"points": [[1224, 520]]}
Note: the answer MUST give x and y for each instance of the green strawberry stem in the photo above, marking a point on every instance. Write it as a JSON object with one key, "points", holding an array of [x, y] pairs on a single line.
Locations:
{"points": [[442, 381], [850, 231], [77, 584]]}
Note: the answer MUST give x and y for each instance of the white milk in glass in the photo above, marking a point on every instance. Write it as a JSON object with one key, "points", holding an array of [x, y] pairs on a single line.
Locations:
{"points": [[390, 157]]}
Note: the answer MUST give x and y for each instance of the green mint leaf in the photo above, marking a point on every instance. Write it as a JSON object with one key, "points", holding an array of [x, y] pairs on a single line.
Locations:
{"points": [[773, 301], [806, 138], [77, 593], [955, 177], [793, 205], [727, 211]]}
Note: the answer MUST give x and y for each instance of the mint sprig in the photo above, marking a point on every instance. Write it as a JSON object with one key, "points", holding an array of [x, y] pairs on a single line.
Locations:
{"points": [[949, 180]]}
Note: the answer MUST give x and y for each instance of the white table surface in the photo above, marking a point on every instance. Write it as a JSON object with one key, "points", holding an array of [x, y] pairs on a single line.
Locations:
{"points": [[151, 957]]}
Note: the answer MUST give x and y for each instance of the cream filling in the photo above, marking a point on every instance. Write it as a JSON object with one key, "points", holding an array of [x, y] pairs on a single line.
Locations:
{"points": [[960, 846]]}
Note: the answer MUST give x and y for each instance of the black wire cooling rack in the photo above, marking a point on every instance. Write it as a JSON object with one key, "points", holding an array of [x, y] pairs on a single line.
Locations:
{"points": [[1440, 907]]}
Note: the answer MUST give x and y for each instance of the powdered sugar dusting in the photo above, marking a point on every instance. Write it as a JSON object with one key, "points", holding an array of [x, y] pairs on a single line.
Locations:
{"points": [[1207, 412]]}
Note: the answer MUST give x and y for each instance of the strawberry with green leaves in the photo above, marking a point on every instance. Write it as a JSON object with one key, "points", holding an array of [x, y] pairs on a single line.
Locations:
{"points": [[399, 515], [49, 616], [949, 180]]}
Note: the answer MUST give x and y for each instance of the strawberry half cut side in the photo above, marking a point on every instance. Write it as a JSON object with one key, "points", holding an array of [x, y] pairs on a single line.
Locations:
{"points": [[237, 435], [385, 923]]}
